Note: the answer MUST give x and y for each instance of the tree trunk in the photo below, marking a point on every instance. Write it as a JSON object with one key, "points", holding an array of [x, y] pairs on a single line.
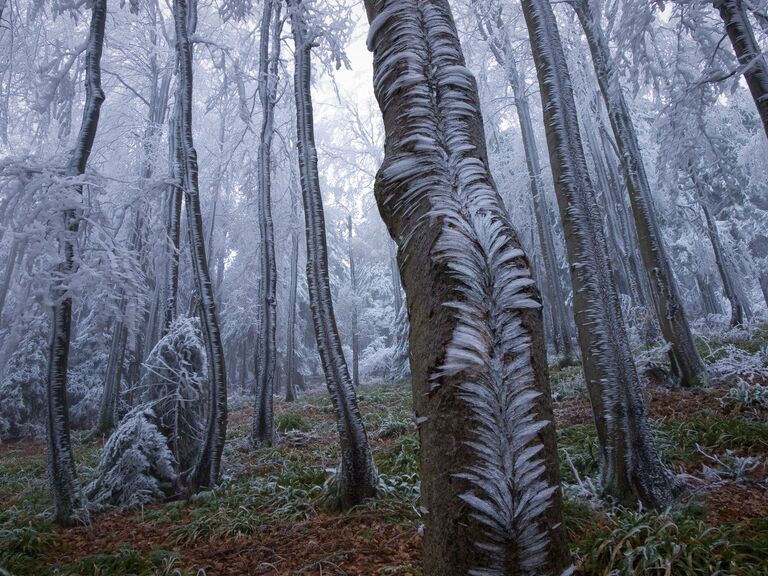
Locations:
{"points": [[670, 313], [61, 464], [206, 471], [108, 416], [14, 259], [353, 286], [748, 52], [494, 31], [357, 478], [631, 469], [173, 215], [290, 341], [764, 286], [711, 304], [488, 460], [263, 430], [738, 312]]}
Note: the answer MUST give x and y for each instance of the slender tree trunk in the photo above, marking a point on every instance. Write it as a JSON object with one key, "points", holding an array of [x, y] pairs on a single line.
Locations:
{"points": [[494, 31], [738, 312], [709, 299], [173, 215], [61, 463], [631, 469], [290, 345], [488, 460], [207, 468], [748, 52], [764, 286], [666, 296], [263, 430], [355, 334], [357, 478], [110, 398], [14, 259]]}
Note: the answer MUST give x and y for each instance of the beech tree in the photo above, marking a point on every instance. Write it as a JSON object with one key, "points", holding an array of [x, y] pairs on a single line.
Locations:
{"points": [[488, 463], [356, 478], [206, 471], [630, 466], [61, 463]]}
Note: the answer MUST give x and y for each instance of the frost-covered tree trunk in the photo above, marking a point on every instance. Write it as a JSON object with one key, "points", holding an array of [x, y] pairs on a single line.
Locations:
{"points": [[709, 299], [173, 218], [290, 341], [738, 309], [357, 478], [61, 463], [108, 416], [397, 296], [631, 469], [686, 362], [764, 286], [748, 51], [353, 286], [14, 258], [263, 430], [207, 468], [488, 461], [493, 29]]}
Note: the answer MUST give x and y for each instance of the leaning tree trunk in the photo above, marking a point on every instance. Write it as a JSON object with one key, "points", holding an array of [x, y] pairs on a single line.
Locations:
{"points": [[207, 468], [493, 28], [686, 362], [290, 341], [488, 460], [631, 469], [263, 430], [710, 303], [357, 478], [738, 311], [61, 463], [748, 52], [353, 286]]}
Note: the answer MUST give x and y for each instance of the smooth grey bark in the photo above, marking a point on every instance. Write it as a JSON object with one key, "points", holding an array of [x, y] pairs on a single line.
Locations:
{"points": [[687, 365], [493, 29], [488, 460], [207, 468], [353, 286], [262, 429], [290, 344], [61, 464], [631, 469], [357, 478], [748, 52]]}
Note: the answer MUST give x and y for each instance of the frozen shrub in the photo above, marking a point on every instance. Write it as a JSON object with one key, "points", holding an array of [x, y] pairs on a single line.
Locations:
{"points": [[136, 466]]}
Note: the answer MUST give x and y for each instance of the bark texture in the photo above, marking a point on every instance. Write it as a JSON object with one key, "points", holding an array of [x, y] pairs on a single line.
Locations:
{"points": [[631, 469], [488, 461], [493, 28], [357, 478], [61, 463]]}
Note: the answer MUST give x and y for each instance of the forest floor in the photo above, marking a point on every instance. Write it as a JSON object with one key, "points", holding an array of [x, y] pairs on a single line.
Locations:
{"points": [[264, 517]]}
